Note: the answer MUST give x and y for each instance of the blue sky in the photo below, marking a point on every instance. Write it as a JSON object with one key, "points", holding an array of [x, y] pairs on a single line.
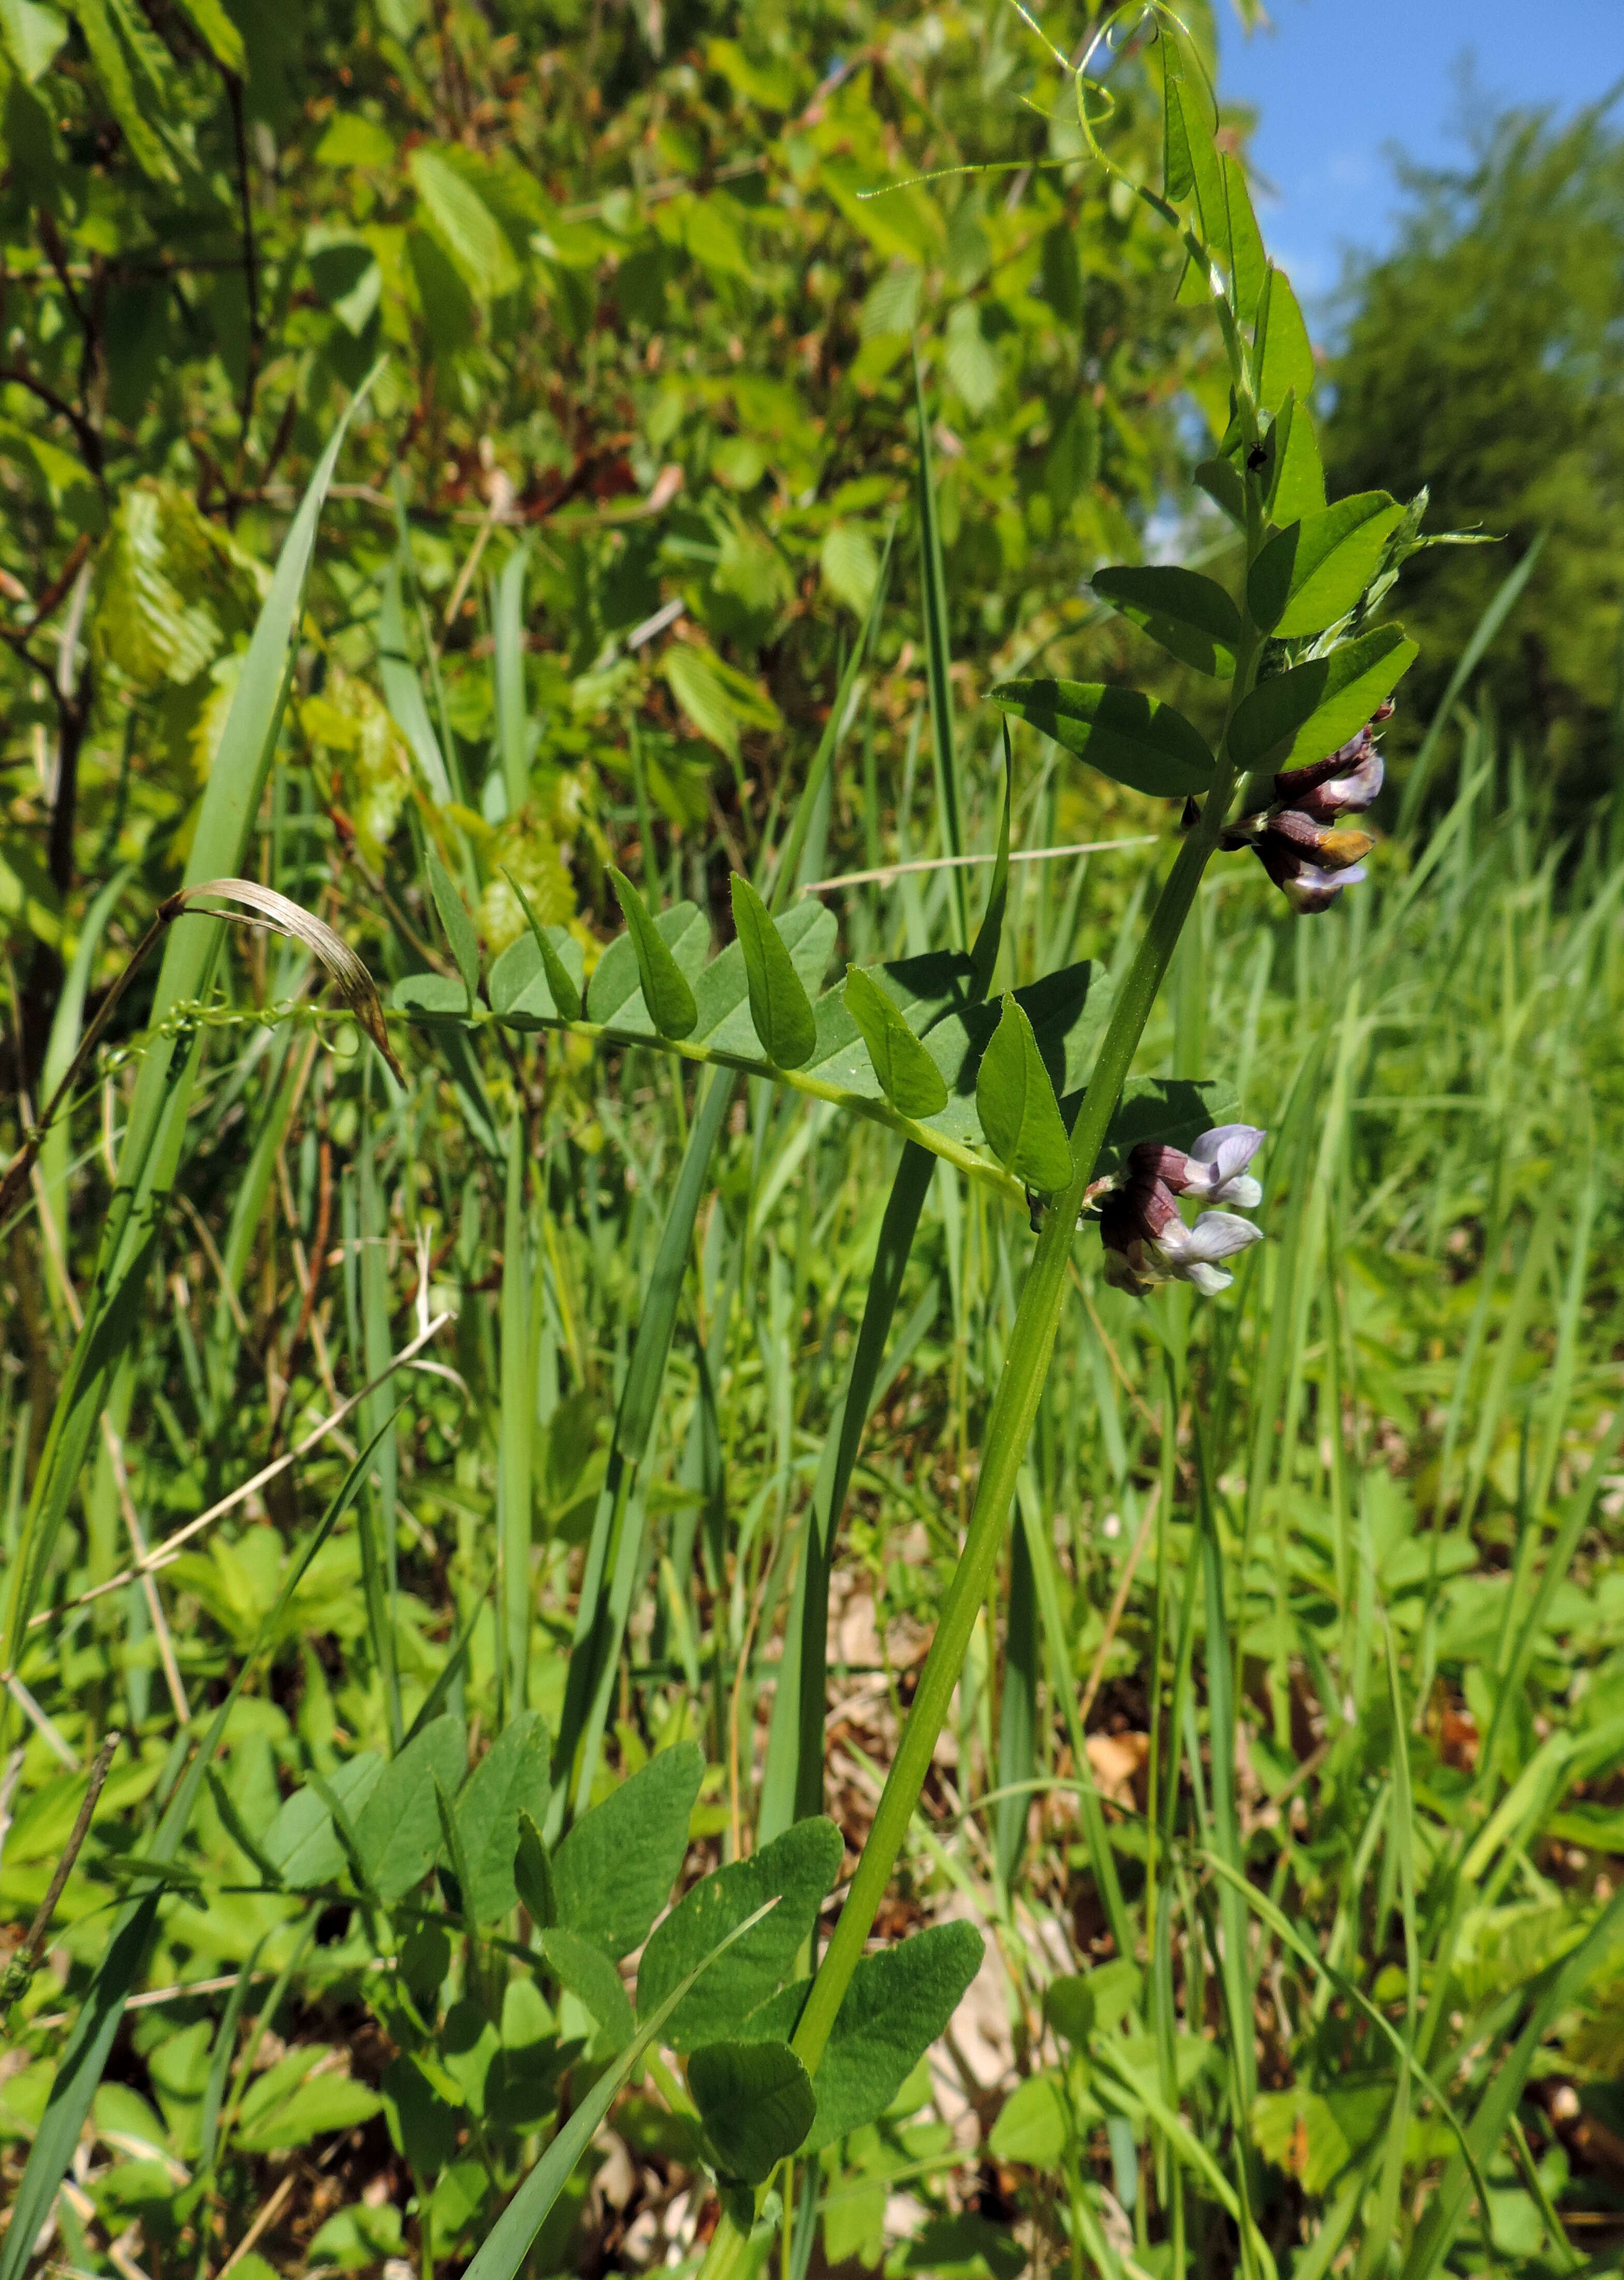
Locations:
{"points": [[1335, 83]]}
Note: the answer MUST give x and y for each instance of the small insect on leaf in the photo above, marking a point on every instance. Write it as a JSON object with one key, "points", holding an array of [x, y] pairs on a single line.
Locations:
{"points": [[560, 981], [908, 1077], [458, 925], [346, 972], [665, 986], [1019, 1112], [779, 1005]]}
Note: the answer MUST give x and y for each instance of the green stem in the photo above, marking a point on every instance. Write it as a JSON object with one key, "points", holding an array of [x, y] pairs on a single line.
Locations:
{"points": [[1008, 1431]]}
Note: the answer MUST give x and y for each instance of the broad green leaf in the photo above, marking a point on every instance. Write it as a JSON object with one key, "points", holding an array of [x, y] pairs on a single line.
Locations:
{"points": [[330, 2102], [1134, 739], [1033, 2122], [533, 1874], [562, 986], [397, 1829], [465, 226], [1250, 263], [1188, 614], [798, 1868], [849, 562], [505, 2246], [131, 105], [423, 2124], [908, 1077], [756, 2102], [779, 1005], [1283, 355], [403, 690], [32, 35], [1019, 1112], [1301, 715], [1295, 479], [301, 1844], [1223, 486], [512, 1776], [1312, 573], [583, 1968], [899, 2003], [458, 925], [216, 29], [613, 1872], [665, 990]]}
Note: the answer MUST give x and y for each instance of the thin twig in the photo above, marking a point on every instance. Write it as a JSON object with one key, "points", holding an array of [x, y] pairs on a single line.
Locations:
{"points": [[169, 1550], [24, 1963], [262, 2224], [966, 862]]}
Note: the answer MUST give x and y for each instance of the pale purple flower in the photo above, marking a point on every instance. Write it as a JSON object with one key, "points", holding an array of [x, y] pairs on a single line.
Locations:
{"points": [[1147, 1241]]}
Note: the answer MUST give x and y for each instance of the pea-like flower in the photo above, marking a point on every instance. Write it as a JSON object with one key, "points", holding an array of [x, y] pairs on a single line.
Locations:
{"points": [[1296, 838], [1146, 1239]]}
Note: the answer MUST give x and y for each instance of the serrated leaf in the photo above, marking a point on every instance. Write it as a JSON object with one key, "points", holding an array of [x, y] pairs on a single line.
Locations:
{"points": [[584, 1969], [1282, 354], [1300, 716], [665, 986], [1019, 1112], [465, 227], [849, 562], [397, 1829], [1309, 575], [899, 2003], [1189, 615], [512, 1776], [797, 1868], [457, 925], [1134, 739], [614, 1871], [756, 2102], [533, 1874], [718, 699], [908, 1077], [779, 1005]]}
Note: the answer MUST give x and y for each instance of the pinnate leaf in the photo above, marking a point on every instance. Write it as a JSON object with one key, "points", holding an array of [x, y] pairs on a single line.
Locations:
{"points": [[458, 925], [796, 1868], [908, 1077], [1134, 739], [1312, 573], [397, 1829], [1300, 716], [1019, 1112], [1189, 615], [613, 1872], [512, 1776], [779, 1005], [756, 2101], [665, 990], [899, 2003]]}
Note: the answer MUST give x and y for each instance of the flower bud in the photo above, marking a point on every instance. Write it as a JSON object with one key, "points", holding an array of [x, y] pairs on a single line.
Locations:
{"points": [[1309, 860]]}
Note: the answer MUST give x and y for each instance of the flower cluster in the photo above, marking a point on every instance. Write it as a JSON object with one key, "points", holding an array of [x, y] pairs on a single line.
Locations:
{"points": [[1297, 839], [1146, 1239]]}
